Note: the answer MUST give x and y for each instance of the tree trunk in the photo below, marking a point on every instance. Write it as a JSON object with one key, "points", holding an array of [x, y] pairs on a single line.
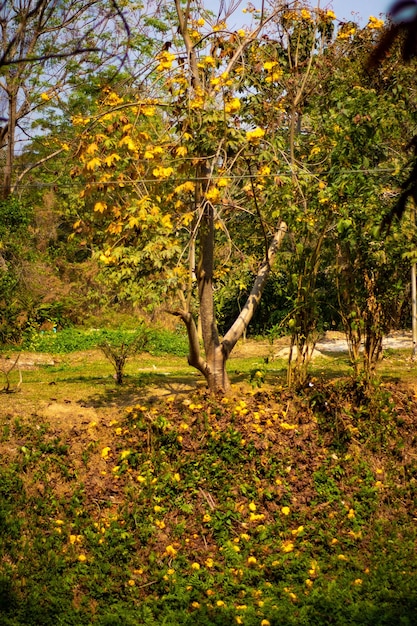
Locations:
{"points": [[217, 351], [10, 145]]}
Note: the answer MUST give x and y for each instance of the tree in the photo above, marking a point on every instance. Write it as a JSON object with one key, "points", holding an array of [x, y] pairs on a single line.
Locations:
{"points": [[197, 157], [365, 122], [48, 48]]}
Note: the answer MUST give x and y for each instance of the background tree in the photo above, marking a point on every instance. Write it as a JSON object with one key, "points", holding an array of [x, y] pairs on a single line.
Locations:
{"points": [[48, 48]]}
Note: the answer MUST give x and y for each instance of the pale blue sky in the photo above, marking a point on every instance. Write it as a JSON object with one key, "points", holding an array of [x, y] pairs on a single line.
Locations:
{"points": [[364, 8], [344, 9]]}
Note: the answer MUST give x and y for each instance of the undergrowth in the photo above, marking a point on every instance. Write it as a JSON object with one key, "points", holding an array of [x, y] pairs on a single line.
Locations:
{"points": [[267, 509]]}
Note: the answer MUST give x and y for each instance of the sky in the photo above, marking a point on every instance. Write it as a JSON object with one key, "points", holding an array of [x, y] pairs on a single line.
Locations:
{"points": [[358, 10], [364, 8]]}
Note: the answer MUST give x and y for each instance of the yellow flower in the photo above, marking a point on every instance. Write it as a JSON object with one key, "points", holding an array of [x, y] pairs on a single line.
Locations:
{"points": [[207, 518], [241, 32], [375, 23], [82, 558], [213, 194], [208, 60], [232, 106], [148, 111], [306, 15], [165, 60], [209, 562], [351, 514], [162, 172], [219, 603], [252, 506], [45, 97], [181, 151], [187, 186], [251, 560], [287, 546], [195, 566], [265, 622], [131, 583], [255, 517], [255, 134], [195, 605], [314, 569], [285, 510], [105, 452], [171, 551], [357, 581]]}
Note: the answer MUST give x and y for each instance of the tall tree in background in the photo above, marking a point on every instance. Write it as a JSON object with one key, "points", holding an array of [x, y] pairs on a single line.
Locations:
{"points": [[48, 48]]}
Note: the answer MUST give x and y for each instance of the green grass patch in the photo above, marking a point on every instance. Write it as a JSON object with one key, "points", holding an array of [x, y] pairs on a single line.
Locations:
{"points": [[69, 340]]}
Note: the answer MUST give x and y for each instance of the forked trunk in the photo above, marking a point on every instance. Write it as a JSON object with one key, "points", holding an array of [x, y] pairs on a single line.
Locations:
{"points": [[213, 366]]}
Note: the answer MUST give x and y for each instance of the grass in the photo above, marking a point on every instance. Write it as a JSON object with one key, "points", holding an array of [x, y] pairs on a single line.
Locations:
{"points": [[153, 503]]}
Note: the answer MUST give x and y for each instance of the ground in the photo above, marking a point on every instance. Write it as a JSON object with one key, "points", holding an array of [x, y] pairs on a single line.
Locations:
{"points": [[156, 503]]}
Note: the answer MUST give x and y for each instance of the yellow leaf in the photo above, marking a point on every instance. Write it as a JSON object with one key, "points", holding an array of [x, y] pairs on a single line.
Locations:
{"points": [[91, 165], [134, 222], [100, 207], [187, 218], [115, 228], [111, 158], [181, 151], [92, 148], [166, 221], [128, 141]]}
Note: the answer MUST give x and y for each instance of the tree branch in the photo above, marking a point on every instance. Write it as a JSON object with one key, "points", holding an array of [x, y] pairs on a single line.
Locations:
{"points": [[239, 326]]}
